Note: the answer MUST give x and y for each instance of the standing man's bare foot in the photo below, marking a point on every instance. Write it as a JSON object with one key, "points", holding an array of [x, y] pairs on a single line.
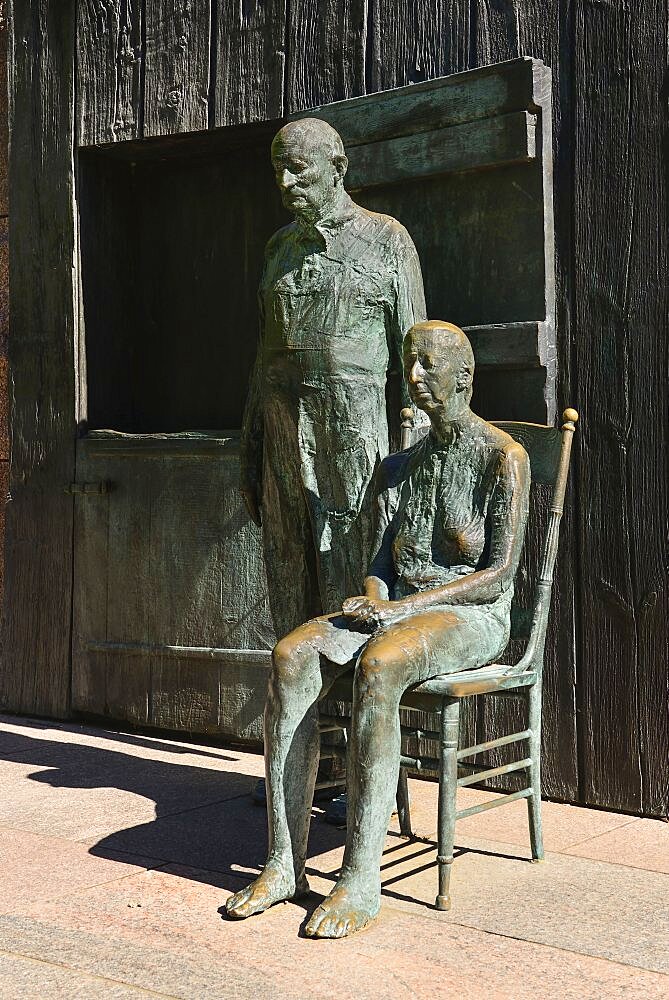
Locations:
{"points": [[347, 909], [273, 885]]}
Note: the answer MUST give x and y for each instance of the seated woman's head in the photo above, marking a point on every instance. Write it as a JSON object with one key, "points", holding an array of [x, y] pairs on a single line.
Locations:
{"points": [[439, 368]]}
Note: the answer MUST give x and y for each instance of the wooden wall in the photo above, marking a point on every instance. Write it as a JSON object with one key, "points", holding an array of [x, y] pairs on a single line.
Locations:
{"points": [[4, 286], [153, 67]]}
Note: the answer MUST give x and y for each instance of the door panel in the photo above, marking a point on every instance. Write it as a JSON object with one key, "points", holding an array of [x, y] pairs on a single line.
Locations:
{"points": [[171, 623]]}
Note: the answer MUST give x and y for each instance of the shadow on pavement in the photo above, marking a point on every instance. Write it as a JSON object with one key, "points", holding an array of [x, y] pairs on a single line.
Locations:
{"points": [[205, 820]]}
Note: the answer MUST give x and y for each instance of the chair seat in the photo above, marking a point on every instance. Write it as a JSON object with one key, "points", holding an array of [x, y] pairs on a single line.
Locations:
{"points": [[425, 696], [484, 680]]}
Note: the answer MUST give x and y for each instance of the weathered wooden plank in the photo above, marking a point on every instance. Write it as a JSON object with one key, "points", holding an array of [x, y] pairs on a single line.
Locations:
{"points": [[479, 237], [410, 42], [318, 71], [224, 212], [109, 58], [4, 332], [513, 345], [497, 29], [169, 604], [110, 291], [545, 30], [184, 695], [176, 56], [91, 568], [621, 302], [4, 119], [462, 97], [491, 142], [187, 684], [249, 64], [35, 675], [130, 575]]}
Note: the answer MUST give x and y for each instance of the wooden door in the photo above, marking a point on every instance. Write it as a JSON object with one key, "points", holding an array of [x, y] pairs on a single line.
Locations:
{"points": [[171, 621], [171, 626]]}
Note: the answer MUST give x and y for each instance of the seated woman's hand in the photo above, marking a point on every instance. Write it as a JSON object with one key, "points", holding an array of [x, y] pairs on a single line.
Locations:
{"points": [[373, 612]]}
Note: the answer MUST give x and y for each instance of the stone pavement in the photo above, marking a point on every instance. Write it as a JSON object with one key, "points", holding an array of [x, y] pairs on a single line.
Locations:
{"points": [[117, 851]]}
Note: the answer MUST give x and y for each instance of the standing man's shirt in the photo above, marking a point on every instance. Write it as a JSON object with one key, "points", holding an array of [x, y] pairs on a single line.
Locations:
{"points": [[336, 300]]}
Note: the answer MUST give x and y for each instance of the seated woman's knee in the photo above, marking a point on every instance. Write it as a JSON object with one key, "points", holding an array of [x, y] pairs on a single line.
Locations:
{"points": [[285, 664], [380, 671]]}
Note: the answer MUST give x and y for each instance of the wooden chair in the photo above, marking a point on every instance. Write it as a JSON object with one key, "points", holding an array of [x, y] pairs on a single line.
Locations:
{"points": [[549, 451]]}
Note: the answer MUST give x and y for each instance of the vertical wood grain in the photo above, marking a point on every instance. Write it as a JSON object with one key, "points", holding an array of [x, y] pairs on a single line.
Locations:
{"points": [[35, 673], [498, 27], [248, 69], [109, 57], [504, 30], [176, 75], [607, 63], [410, 42], [325, 56], [621, 320]]}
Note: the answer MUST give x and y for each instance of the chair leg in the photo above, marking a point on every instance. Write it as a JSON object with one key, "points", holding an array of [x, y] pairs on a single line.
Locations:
{"points": [[403, 806], [448, 786], [534, 801]]}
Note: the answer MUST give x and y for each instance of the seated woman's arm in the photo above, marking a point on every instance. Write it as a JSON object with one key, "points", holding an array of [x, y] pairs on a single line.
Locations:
{"points": [[508, 515]]}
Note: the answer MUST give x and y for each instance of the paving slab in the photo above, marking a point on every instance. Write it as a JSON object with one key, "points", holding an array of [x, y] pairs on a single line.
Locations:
{"points": [[36, 867], [119, 849], [228, 836], [85, 788], [161, 930], [641, 844], [15, 730], [577, 904], [31, 979], [564, 825]]}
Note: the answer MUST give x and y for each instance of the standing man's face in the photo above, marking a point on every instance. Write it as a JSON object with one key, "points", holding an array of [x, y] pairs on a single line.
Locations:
{"points": [[306, 177]]}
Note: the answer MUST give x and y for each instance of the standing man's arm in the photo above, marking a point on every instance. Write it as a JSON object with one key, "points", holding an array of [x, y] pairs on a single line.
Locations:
{"points": [[381, 573], [409, 309]]}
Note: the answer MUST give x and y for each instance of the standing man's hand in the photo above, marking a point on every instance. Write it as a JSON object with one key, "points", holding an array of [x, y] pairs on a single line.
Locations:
{"points": [[252, 503]]}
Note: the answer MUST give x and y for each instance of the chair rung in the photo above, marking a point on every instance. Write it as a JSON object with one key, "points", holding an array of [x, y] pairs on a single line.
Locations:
{"points": [[503, 800], [520, 692], [517, 765], [491, 744], [332, 783], [331, 723], [420, 763]]}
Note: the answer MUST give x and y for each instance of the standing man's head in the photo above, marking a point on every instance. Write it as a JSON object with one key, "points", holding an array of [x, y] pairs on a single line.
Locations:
{"points": [[439, 369], [309, 164]]}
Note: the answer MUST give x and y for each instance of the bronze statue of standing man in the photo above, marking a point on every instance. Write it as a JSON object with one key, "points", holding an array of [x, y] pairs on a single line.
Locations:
{"points": [[340, 288]]}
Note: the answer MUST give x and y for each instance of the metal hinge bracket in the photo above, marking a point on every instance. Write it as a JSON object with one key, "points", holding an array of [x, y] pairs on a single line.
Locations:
{"points": [[88, 489]]}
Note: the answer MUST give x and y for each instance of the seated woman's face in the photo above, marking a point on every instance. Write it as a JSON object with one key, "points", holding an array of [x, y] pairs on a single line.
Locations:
{"points": [[429, 370]]}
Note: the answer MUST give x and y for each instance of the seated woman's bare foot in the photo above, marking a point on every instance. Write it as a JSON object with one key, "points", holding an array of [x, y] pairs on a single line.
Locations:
{"points": [[273, 885], [346, 910]]}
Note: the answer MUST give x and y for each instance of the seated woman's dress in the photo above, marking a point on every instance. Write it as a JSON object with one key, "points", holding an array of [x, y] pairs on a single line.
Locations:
{"points": [[438, 507]]}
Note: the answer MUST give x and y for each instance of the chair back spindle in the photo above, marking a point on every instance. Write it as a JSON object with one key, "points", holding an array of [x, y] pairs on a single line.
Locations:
{"points": [[406, 432], [549, 452]]}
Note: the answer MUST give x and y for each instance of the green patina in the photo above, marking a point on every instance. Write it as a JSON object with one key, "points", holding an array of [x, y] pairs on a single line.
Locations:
{"points": [[340, 288]]}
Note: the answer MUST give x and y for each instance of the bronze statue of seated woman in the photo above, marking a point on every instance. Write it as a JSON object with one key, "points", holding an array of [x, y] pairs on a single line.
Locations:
{"points": [[451, 515]]}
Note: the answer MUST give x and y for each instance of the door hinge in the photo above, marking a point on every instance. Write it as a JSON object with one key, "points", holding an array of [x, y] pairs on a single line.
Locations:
{"points": [[88, 489]]}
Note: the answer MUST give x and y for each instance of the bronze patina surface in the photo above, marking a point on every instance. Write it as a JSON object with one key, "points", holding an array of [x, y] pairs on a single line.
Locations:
{"points": [[451, 515], [340, 288]]}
